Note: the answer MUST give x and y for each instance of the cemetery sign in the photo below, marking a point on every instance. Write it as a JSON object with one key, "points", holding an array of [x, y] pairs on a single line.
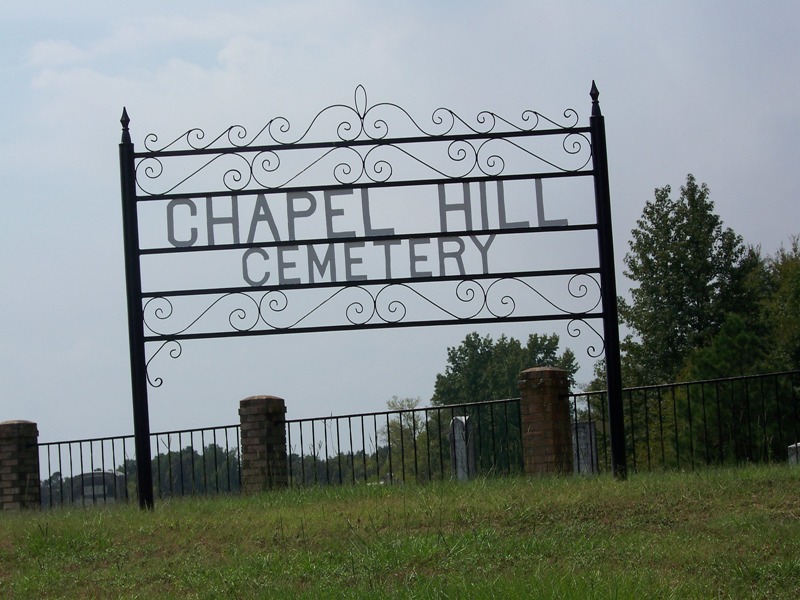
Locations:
{"points": [[365, 219]]}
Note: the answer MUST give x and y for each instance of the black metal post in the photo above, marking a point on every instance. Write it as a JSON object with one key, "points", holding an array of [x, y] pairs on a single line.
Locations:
{"points": [[608, 285], [133, 280]]}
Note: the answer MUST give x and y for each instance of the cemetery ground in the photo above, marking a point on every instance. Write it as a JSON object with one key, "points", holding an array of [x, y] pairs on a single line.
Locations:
{"points": [[721, 533]]}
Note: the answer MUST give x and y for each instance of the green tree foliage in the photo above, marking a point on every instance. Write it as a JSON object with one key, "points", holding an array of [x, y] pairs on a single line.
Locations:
{"points": [[483, 369], [187, 471], [750, 422], [782, 307], [736, 350], [406, 434], [409, 444], [704, 306], [190, 472], [689, 272], [731, 418]]}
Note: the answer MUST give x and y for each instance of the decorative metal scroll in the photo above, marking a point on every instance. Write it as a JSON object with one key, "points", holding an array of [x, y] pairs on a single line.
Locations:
{"points": [[363, 147], [363, 306]]}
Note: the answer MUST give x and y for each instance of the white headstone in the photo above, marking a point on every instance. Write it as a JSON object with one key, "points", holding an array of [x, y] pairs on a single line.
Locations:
{"points": [[462, 449], [584, 448]]}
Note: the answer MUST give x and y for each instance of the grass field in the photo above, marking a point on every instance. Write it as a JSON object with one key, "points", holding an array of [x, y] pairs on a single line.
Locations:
{"points": [[709, 534]]}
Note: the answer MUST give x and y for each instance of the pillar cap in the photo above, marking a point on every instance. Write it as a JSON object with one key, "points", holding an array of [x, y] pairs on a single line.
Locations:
{"points": [[17, 422], [262, 405], [258, 398], [543, 371]]}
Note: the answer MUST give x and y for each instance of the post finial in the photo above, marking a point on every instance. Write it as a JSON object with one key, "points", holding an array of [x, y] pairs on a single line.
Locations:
{"points": [[595, 94], [125, 120]]}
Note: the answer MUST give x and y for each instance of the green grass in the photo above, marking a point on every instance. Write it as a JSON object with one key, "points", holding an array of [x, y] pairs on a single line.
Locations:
{"points": [[709, 534]]}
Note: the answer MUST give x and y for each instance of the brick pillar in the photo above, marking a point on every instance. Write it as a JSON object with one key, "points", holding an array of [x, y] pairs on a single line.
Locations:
{"points": [[546, 430], [264, 462], [19, 465]]}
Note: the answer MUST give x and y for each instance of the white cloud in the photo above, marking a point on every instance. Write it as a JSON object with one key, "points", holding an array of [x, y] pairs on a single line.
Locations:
{"points": [[55, 53]]}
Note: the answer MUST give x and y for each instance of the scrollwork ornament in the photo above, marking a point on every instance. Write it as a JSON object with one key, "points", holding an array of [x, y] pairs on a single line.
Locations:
{"points": [[489, 161], [161, 309], [174, 353], [238, 177], [191, 139], [377, 129], [392, 310], [272, 303], [239, 318], [349, 130], [471, 292], [501, 305], [573, 118], [350, 167], [530, 118], [376, 164], [487, 120], [359, 312], [578, 288], [265, 164], [464, 153], [275, 302], [444, 119], [574, 331], [278, 127], [577, 142], [195, 137], [237, 135], [148, 169], [151, 139], [360, 121]]}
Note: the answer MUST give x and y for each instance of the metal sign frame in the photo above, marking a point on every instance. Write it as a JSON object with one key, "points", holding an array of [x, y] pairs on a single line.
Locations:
{"points": [[363, 155]]}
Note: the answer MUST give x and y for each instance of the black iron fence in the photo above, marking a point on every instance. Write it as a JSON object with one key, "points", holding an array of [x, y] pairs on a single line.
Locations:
{"points": [[410, 445], [727, 421], [103, 470], [688, 425]]}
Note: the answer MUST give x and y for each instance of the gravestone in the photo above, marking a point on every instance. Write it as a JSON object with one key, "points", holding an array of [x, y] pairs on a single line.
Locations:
{"points": [[584, 448], [462, 449], [794, 454]]}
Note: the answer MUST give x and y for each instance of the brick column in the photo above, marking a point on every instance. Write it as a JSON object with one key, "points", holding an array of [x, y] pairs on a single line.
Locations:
{"points": [[264, 461], [546, 430], [19, 465]]}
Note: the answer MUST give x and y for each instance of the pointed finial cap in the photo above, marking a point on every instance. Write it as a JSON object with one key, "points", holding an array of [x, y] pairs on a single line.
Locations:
{"points": [[595, 94], [125, 120]]}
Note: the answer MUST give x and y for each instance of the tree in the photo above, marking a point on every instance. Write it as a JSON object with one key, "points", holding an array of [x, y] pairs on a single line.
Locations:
{"points": [[185, 471], [735, 351], [407, 442], [782, 307], [481, 369], [730, 418], [689, 272]]}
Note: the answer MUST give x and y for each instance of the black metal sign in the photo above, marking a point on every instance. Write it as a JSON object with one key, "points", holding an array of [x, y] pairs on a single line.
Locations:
{"points": [[367, 218]]}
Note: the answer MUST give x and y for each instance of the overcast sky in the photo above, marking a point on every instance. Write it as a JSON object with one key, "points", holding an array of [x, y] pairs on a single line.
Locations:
{"points": [[709, 88]]}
